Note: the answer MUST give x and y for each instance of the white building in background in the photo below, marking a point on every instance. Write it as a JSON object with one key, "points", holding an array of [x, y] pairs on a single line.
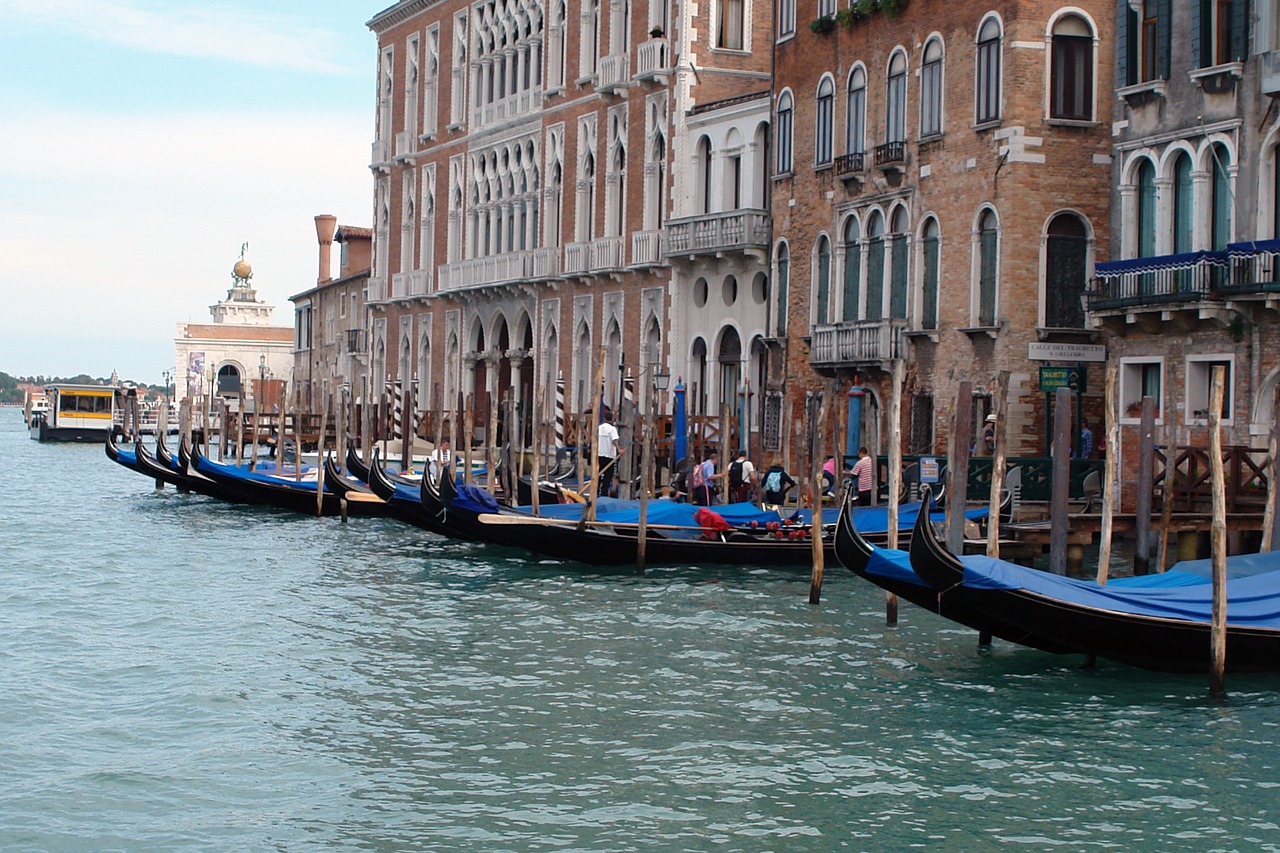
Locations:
{"points": [[239, 345]]}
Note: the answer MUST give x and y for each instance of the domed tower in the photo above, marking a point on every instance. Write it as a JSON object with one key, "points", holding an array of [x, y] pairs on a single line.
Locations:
{"points": [[242, 307]]}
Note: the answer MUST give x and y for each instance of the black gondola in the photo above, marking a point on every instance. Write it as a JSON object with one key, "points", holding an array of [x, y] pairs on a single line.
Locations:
{"points": [[893, 573], [403, 502], [1163, 628], [118, 454], [267, 490], [602, 545]]}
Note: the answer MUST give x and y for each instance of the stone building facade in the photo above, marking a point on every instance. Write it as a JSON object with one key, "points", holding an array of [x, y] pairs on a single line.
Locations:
{"points": [[528, 164], [939, 198], [1195, 198]]}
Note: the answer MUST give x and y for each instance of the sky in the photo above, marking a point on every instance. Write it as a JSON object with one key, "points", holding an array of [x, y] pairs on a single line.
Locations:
{"points": [[143, 142]]}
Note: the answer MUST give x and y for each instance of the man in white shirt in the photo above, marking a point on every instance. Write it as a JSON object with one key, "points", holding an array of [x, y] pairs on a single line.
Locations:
{"points": [[608, 446]]}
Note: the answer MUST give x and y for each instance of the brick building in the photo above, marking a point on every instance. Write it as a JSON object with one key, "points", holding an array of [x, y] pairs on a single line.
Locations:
{"points": [[331, 346], [1195, 198], [939, 197], [528, 161]]}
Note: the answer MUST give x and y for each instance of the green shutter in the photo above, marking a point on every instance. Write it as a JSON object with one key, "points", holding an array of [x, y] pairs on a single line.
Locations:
{"points": [[1125, 43], [852, 263], [898, 278], [1240, 30], [875, 279], [929, 320]]}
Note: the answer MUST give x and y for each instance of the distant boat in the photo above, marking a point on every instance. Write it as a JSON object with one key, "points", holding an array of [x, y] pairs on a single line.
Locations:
{"points": [[76, 413]]}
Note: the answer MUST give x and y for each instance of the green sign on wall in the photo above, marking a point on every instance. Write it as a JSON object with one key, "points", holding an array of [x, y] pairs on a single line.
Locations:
{"points": [[1074, 378]]}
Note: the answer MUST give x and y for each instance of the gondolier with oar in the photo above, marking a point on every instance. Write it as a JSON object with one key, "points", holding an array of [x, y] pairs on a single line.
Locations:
{"points": [[608, 448], [441, 458]]}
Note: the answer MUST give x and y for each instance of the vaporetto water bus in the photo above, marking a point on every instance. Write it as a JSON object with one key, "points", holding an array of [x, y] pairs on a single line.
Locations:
{"points": [[77, 413]]}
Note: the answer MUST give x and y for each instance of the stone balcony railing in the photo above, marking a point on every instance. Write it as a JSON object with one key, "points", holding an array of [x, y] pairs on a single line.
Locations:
{"points": [[499, 269], [406, 143], [647, 248], [727, 231], [652, 58], [614, 72], [857, 342]]}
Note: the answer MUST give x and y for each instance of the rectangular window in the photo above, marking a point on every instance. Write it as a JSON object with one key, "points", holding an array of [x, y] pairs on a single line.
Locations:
{"points": [[786, 17], [1150, 28], [1140, 378], [730, 34], [1199, 375], [1072, 78]]}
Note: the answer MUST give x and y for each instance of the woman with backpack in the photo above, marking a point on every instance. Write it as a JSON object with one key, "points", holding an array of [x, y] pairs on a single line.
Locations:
{"points": [[702, 479]]}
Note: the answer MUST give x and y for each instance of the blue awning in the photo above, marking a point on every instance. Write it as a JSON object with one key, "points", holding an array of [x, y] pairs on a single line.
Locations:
{"points": [[1185, 260], [1253, 247]]}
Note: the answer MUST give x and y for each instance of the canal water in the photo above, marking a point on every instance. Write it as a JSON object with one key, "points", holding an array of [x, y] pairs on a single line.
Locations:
{"points": [[178, 673]]}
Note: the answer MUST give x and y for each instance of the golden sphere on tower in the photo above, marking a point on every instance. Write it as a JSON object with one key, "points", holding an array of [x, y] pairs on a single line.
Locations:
{"points": [[242, 269]]}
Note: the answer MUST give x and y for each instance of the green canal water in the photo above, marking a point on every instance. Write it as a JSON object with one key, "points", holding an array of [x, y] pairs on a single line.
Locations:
{"points": [[181, 674]]}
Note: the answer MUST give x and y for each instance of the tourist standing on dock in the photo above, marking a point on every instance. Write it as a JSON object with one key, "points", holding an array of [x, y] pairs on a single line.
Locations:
{"points": [[777, 482], [864, 473], [608, 447], [702, 480], [742, 478]]}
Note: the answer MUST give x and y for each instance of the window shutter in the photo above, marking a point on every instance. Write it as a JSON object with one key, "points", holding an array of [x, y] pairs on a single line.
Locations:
{"points": [[1126, 45], [1240, 30], [1198, 31], [1164, 21]]}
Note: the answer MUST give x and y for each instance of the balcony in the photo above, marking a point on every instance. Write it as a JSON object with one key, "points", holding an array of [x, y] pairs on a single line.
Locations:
{"points": [[608, 253], [357, 341], [406, 144], [377, 290], [498, 269], [651, 58], [577, 257], [379, 154], [714, 233], [399, 285], [614, 72], [891, 155], [857, 342], [1200, 282], [1156, 282], [850, 166], [646, 248]]}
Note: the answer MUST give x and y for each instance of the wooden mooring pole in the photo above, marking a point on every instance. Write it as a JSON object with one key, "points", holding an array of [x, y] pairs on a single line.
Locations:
{"points": [[958, 466], [815, 494], [1273, 469], [1110, 390], [1060, 449], [1218, 537], [998, 465], [1145, 484], [895, 475]]}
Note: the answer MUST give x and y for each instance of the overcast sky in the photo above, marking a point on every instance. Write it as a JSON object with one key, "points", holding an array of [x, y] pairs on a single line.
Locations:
{"points": [[143, 141]]}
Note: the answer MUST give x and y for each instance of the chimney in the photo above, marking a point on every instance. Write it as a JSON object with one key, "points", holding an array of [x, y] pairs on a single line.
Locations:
{"points": [[326, 224]]}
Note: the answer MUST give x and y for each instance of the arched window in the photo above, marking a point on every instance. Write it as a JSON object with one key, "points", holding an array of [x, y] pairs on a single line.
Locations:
{"points": [[898, 264], [875, 267], [1220, 231], [1146, 209], [931, 89], [783, 279], [988, 267], [852, 269], [856, 112], [1071, 69], [896, 100], [930, 243], [823, 121], [1183, 205], [822, 281], [1066, 263], [783, 144], [987, 83]]}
